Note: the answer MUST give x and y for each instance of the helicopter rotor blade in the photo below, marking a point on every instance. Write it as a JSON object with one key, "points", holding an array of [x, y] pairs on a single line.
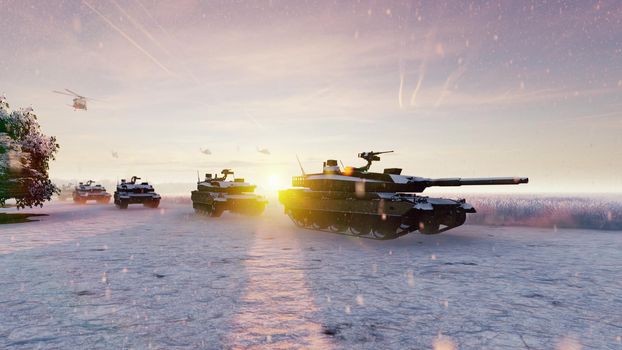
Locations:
{"points": [[78, 95], [62, 93]]}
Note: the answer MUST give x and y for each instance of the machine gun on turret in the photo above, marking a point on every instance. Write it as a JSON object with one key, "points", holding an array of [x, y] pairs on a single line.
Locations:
{"points": [[369, 157], [225, 173]]}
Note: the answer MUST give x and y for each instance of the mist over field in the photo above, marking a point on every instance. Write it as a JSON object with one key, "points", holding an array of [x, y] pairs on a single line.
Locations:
{"points": [[547, 212], [596, 212], [585, 211]]}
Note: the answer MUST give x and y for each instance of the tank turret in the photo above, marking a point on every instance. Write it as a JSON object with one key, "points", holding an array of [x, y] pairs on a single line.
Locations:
{"points": [[377, 205], [216, 194]]}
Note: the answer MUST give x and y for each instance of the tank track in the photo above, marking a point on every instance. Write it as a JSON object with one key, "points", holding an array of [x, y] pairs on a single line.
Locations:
{"points": [[355, 225], [208, 209], [215, 209], [368, 226]]}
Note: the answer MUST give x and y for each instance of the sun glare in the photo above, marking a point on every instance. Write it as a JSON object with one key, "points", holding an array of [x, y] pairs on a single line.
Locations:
{"points": [[276, 182]]}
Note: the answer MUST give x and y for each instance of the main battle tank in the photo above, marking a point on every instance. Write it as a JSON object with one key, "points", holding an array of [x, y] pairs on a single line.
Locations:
{"points": [[88, 191], [135, 193], [383, 205], [215, 194]]}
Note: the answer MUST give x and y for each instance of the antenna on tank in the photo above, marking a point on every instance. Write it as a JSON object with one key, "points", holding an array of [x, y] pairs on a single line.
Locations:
{"points": [[198, 177], [300, 164], [340, 162]]}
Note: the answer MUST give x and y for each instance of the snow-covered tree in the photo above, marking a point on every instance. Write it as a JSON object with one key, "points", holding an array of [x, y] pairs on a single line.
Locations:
{"points": [[25, 153]]}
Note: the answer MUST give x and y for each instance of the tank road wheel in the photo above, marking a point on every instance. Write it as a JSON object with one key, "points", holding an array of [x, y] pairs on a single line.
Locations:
{"points": [[320, 220], [152, 203], [254, 209], [103, 201], [337, 227], [360, 225], [429, 226], [299, 217], [339, 224], [259, 210], [455, 218], [216, 211], [201, 209], [122, 204], [385, 229]]}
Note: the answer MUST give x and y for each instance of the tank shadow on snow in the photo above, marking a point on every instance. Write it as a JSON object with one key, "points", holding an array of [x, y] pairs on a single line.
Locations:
{"points": [[17, 218]]}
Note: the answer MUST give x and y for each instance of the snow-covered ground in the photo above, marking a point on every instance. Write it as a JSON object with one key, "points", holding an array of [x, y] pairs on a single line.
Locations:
{"points": [[95, 277]]}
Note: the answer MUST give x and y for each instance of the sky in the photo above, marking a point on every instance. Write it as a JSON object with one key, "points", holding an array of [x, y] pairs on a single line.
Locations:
{"points": [[456, 89]]}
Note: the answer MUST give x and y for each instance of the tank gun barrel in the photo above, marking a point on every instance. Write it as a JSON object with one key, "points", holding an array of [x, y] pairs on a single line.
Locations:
{"points": [[457, 181], [371, 154]]}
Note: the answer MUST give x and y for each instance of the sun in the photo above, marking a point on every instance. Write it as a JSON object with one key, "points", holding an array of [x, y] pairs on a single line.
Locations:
{"points": [[271, 183], [275, 182]]}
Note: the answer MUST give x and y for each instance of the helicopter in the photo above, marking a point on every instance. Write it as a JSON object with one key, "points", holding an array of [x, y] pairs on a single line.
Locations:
{"points": [[79, 101], [263, 151]]}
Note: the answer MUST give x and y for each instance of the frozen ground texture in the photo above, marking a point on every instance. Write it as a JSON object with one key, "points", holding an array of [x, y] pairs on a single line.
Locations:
{"points": [[95, 277]]}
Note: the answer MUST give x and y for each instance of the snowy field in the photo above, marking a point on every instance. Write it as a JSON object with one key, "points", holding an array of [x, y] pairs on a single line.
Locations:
{"points": [[95, 277]]}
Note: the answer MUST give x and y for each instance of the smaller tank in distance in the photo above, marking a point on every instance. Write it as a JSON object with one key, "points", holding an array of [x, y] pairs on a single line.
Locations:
{"points": [[89, 191], [133, 192], [215, 194], [66, 192]]}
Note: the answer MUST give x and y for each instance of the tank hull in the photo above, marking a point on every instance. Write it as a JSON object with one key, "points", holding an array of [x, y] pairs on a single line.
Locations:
{"points": [[215, 203], [377, 215], [81, 197], [123, 199]]}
